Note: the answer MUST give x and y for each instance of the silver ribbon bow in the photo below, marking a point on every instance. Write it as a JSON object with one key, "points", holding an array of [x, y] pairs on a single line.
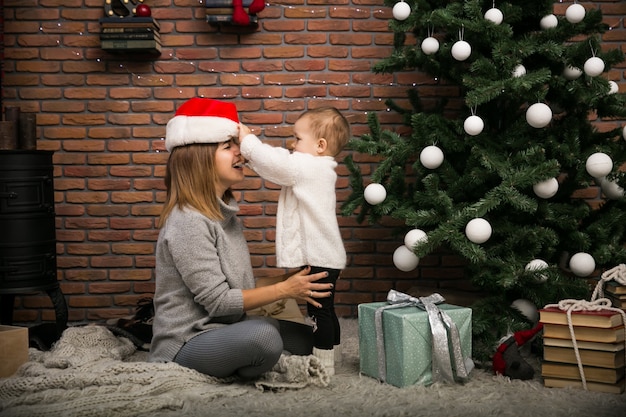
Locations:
{"points": [[441, 325]]}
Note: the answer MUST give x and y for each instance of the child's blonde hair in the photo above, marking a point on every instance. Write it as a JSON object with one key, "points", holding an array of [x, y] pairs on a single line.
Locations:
{"points": [[330, 124]]}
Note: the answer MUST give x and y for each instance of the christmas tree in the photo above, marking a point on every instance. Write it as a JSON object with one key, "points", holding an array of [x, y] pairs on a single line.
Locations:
{"points": [[496, 174]]}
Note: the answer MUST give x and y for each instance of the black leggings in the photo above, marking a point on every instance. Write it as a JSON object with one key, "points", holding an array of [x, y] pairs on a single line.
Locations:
{"points": [[247, 348], [328, 331]]}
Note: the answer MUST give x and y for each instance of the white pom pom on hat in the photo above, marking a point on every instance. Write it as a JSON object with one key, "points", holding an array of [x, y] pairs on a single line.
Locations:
{"points": [[202, 120]]}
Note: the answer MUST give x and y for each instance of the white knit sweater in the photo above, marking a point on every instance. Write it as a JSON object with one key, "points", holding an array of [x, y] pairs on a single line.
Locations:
{"points": [[307, 232]]}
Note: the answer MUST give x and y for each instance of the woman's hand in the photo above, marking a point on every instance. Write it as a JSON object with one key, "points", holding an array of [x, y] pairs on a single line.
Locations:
{"points": [[302, 286]]}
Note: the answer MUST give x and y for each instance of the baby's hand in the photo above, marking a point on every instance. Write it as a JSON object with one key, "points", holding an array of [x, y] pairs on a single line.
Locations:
{"points": [[243, 131]]}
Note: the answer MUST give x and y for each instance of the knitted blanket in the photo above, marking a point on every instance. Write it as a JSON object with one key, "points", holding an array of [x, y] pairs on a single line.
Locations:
{"points": [[92, 372]]}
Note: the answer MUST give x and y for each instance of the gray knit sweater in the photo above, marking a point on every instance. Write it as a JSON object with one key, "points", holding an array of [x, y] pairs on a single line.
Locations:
{"points": [[201, 267]]}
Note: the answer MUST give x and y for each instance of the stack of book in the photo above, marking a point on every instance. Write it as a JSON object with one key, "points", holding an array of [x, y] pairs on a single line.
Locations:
{"points": [[616, 293], [221, 11], [599, 336], [131, 34]]}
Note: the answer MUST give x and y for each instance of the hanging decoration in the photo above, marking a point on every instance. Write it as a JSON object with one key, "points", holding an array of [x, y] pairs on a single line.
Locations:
{"points": [[494, 15], [539, 115], [611, 189], [575, 13], [527, 308], [549, 22], [519, 71], [404, 259], [537, 265], [430, 45], [375, 194], [582, 264], [414, 237], [599, 165], [572, 73], [431, 157], [401, 10], [594, 66], [473, 125], [461, 50], [547, 188], [478, 230]]}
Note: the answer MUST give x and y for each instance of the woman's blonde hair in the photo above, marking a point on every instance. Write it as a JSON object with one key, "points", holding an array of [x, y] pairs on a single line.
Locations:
{"points": [[190, 179]]}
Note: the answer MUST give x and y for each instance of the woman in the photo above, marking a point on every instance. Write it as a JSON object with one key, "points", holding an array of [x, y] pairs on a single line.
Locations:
{"points": [[204, 280]]}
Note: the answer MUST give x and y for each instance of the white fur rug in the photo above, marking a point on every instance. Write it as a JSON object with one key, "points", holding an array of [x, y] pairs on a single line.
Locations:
{"points": [[178, 392]]}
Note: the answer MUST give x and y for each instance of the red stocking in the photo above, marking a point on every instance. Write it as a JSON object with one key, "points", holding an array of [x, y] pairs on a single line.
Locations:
{"points": [[240, 17], [256, 6]]}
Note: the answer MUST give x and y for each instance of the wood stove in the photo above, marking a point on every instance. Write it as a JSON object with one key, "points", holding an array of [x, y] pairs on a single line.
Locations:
{"points": [[28, 231]]}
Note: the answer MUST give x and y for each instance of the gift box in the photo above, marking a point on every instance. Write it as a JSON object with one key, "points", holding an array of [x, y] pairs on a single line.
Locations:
{"points": [[408, 342], [13, 349]]}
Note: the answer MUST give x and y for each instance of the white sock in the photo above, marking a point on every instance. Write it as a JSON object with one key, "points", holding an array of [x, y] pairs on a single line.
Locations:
{"points": [[338, 354], [327, 357]]}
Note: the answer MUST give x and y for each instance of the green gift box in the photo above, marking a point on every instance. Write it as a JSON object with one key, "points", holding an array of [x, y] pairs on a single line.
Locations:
{"points": [[407, 341]]}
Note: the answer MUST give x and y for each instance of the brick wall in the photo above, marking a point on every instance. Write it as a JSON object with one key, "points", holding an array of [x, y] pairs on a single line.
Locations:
{"points": [[104, 116]]}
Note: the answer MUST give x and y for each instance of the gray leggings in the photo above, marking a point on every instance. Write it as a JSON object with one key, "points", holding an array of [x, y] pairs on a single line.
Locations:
{"points": [[246, 349]]}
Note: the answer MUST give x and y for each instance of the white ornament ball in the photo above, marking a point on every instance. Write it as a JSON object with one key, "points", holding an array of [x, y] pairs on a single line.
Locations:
{"points": [[539, 115], [572, 73], [527, 308], [548, 22], [478, 230], [594, 66], [599, 164], [431, 157], [537, 265], [582, 264], [611, 189], [375, 194], [473, 125], [494, 15], [404, 259], [575, 13], [519, 71], [461, 50], [624, 132], [547, 188], [413, 237], [613, 87], [430, 45], [401, 10]]}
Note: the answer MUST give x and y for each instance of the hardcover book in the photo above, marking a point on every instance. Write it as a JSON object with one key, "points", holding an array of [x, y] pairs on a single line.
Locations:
{"points": [[589, 334], [592, 373], [607, 347], [129, 30], [614, 288], [617, 301], [130, 35], [588, 357], [130, 44], [596, 318], [616, 388], [117, 22], [219, 4]]}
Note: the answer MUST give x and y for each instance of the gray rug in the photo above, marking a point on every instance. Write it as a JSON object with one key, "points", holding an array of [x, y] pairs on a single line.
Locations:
{"points": [[351, 394], [176, 393]]}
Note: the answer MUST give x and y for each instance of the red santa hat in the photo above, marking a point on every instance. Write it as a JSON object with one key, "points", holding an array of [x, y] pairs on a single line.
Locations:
{"points": [[508, 361], [202, 120]]}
